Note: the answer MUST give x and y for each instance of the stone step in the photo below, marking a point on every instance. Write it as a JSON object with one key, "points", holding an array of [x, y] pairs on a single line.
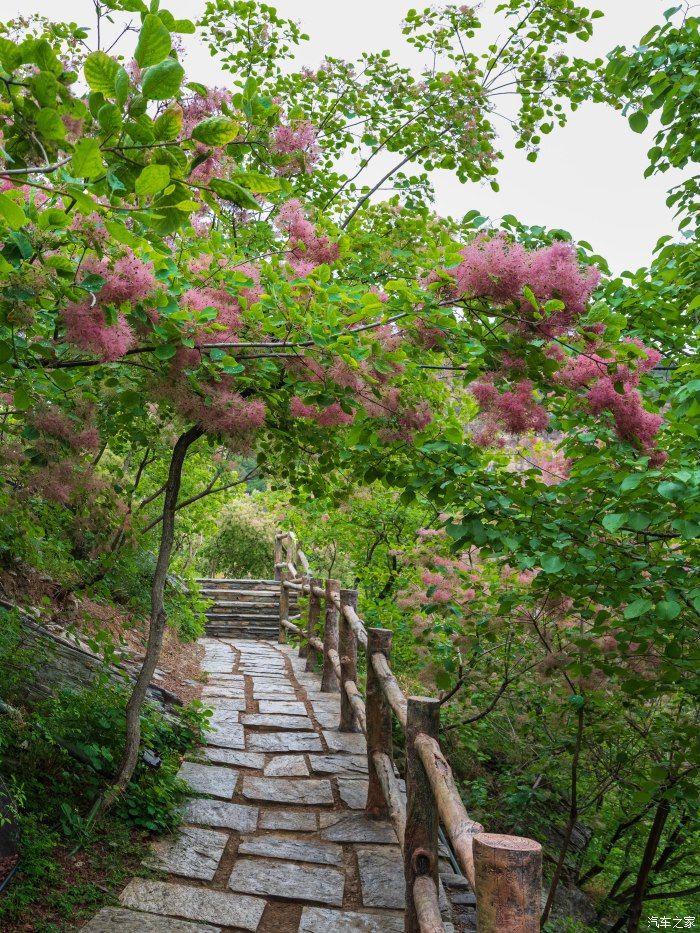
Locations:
{"points": [[249, 603], [235, 632], [253, 616]]}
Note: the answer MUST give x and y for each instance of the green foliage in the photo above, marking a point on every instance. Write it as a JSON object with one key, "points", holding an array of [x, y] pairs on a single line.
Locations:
{"points": [[56, 756], [243, 545]]}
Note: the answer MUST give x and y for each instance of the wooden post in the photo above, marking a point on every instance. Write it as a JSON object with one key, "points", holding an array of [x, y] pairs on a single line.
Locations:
{"points": [[312, 618], [508, 892], [284, 606], [420, 853], [348, 662], [329, 681], [378, 721], [278, 557]]}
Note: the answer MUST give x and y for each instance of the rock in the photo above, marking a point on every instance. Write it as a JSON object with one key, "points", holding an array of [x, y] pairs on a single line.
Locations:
{"points": [[353, 792], [225, 693], [236, 816], [284, 741], [226, 703], [353, 742], [222, 717], [287, 766], [118, 920], [338, 764], [288, 881], [381, 877], [322, 920], [194, 853], [355, 827], [228, 756], [288, 707], [294, 850], [328, 718], [270, 721], [230, 735], [209, 779], [291, 820], [228, 910], [279, 790]]}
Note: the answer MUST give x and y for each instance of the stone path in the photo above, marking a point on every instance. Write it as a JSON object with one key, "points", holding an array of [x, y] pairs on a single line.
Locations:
{"points": [[275, 839]]}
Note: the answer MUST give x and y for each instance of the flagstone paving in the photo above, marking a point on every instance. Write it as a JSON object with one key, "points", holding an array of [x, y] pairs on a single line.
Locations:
{"points": [[274, 838]]}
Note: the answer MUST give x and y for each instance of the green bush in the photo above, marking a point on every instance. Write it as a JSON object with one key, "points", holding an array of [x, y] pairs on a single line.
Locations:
{"points": [[244, 546]]}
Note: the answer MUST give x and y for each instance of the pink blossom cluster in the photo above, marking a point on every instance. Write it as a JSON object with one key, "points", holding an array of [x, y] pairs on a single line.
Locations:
{"points": [[297, 140], [59, 425], [222, 409], [87, 328], [514, 411], [553, 465], [612, 387], [499, 269], [443, 579], [330, 416], [69, 481], [307, 248], [128, 280]]}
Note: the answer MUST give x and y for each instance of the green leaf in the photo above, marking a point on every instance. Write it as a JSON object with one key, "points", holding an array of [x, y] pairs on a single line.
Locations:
{"points": [[169, 123], [165, 352], [152, 179], [92, 282], [216, 131], [230, 191], [121, 86], [256, 182], [631, 481], [110, 119], [101, 72], [637, 608], [12, 212], [50, 124], [154, 42], [22, 398], [87, 159], [553, 563], [613, 521], [638, 121], [668, 609], [162, 81]]}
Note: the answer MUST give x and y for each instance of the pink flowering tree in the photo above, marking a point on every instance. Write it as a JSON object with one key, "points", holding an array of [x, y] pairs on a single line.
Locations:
{"points": [[195, 256]]}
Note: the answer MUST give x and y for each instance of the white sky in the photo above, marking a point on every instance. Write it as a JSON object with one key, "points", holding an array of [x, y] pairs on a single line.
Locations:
{"points": [[589, 176]]}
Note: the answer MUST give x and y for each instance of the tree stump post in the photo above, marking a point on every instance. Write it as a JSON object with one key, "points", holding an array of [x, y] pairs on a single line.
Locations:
{"points": [[278, 557], [329, 681], [348, 662], [420, 853], [284, 606], [508, 872], [378, 721], [312, 619]]}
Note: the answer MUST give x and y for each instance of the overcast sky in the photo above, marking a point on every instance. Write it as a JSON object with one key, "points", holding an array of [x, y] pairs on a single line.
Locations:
{"points": [[589, 176]]}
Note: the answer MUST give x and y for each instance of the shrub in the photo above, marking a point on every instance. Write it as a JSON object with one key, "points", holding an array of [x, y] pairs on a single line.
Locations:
{"points": [[244, 546]]}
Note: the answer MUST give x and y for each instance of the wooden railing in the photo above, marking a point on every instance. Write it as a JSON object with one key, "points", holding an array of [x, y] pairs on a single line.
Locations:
{"points": [[505, 872]]}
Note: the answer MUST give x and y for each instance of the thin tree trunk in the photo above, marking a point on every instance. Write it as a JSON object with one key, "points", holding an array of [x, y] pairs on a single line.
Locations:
{"points": [[129, 759], [640, 888], [573, 816]]}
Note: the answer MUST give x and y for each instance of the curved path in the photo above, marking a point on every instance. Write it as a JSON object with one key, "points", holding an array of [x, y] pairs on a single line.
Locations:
{"points": [[276, 839]]}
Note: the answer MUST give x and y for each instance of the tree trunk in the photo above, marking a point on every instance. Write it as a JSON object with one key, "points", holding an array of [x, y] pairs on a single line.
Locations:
{"points": [[571, 824], [129, 758], [640, 888]]}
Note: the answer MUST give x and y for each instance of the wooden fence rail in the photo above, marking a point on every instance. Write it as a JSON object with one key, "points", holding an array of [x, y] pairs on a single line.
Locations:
{"points": [[505, 872]]}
